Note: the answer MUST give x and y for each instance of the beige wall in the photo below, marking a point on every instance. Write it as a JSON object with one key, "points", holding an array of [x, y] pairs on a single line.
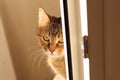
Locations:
{"points": [[6, 65], [20, 19]]}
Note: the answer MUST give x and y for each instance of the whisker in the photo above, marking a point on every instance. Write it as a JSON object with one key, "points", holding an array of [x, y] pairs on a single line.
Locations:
{"points": [[39, 62], [36, 56], [34, 61], [38, 52], [34, 53]]}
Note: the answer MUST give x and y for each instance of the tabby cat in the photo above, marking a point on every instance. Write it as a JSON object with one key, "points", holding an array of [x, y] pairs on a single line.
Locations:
{"points": [[51, 39]]}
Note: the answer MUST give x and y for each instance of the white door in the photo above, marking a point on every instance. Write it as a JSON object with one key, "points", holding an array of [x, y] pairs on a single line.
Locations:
{"points": [[73, 36], [76, 38]]}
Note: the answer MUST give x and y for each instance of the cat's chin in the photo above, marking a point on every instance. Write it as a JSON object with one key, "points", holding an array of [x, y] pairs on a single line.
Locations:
{"points": [[53, 55]]}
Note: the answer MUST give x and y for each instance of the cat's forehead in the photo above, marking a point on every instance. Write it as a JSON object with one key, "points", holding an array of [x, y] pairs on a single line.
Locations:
{"points": [[54, 26], [55, 19], [54, 29]]}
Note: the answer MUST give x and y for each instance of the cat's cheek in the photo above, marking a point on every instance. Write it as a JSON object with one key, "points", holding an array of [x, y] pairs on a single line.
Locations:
{"points": [[45, 49], [59, 52]]}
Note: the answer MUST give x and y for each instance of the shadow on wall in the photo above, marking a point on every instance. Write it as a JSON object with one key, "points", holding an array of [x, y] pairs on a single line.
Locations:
{"points": [[20, 19]]}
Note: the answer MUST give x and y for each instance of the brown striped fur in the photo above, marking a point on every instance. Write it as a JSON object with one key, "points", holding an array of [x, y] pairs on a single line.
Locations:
{"points": [[51, 39]]}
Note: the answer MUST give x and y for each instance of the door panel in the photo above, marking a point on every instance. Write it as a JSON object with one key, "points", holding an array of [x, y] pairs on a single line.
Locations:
{"points": [[112, 38], [96, 39], [103, 30]]}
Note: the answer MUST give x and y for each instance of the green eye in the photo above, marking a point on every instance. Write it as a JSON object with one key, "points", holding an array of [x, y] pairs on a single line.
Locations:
{"points": [[46, 38], [60, 41]]}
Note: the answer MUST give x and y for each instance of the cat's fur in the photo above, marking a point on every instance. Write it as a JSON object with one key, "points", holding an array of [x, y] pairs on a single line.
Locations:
{"points": [[51, 39]]}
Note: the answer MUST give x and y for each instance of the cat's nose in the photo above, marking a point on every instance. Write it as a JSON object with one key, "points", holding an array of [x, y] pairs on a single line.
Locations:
{"points": [[52, 49]]}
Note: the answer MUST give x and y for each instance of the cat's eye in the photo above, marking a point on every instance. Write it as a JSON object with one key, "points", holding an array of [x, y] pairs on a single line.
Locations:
{"points": [[60, 41], [46, 38]]}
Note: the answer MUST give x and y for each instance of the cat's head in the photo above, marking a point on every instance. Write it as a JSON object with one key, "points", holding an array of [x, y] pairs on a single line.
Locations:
{"points": [[50, 33]]}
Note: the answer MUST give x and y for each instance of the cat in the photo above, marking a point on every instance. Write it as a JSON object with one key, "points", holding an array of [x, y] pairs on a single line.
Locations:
{"points": [[51, 39]]}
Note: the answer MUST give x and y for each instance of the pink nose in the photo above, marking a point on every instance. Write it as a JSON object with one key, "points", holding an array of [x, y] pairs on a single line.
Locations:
{"points": [[52, 49]]}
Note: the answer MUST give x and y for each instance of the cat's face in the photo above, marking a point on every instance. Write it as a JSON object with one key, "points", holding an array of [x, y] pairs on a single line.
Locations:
{"points": [[50, 34]]}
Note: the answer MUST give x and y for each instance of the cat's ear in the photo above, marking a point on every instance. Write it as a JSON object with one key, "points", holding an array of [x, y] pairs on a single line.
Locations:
{"points": [[59, 20], [43, 18]]}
